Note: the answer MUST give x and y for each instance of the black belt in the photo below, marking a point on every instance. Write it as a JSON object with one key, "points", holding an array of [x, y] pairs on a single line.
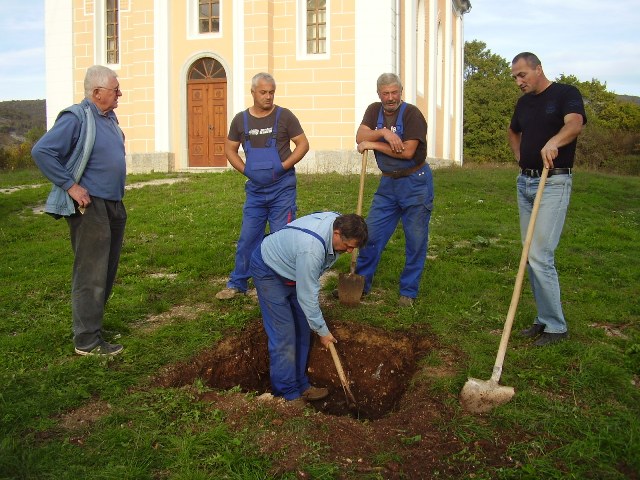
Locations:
{"points": [[529, 172], [405, 172]]}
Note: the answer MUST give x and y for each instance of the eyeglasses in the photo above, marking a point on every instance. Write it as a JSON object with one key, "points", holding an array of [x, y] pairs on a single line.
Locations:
{"points": [[116, 90]]}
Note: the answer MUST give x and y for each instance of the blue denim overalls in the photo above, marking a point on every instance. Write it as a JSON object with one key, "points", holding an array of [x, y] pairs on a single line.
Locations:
{"points": [[409, 198], [271, 196], [287, 328]]}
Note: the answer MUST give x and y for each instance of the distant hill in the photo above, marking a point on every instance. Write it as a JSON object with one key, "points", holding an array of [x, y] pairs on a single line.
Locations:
{"points": [[17, 117], [629, 98]]}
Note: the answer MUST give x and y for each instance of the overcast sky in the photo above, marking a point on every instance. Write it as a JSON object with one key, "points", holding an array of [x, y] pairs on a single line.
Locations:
{"points": [[22, 50], [585, 38]]}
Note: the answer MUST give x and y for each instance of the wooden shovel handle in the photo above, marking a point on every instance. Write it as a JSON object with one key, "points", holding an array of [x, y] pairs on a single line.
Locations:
{"points": [[506, 332], [363, 171], [341, 375]]}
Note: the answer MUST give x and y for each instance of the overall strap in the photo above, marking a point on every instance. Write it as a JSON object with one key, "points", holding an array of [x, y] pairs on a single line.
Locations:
{"points": [[399, 121], [274, 131], [271, 142], [245, 118], [310, 232]]}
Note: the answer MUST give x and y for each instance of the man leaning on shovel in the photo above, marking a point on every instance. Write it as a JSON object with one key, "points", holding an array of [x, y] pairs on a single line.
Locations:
{"points": [[543, 134], [397, 133]]}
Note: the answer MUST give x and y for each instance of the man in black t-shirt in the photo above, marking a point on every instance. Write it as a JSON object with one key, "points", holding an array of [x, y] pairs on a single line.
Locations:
{"points": [[543, 134]]}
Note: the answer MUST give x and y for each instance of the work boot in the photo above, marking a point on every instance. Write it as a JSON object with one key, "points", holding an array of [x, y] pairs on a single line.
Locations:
{"points": [[549, 338], [315, 393], [533, 331], [405, 301], [228, 293], [297, 403]]}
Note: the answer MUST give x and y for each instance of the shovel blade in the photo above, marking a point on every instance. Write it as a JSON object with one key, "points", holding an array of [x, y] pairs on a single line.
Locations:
{"points": [[350, 288], [480, 396]]}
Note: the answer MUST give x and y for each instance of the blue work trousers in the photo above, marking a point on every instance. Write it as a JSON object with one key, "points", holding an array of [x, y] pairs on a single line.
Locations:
{"points": [[276, 204], [410, 199], [287, 330], [541, 267], [96, 239]]}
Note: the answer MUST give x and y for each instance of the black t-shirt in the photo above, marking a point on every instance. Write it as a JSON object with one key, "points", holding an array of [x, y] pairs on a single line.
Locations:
{"points": [[260, 130], [540, 117]]}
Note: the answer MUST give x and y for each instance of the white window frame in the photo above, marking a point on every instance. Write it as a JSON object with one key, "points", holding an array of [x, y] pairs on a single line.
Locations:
{"points": [[99, 11], [301, 32], [193, 21]]}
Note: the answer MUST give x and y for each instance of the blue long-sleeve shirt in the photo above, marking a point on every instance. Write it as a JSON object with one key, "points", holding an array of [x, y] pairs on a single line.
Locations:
{"points": [[105, 173], [301, 257]]}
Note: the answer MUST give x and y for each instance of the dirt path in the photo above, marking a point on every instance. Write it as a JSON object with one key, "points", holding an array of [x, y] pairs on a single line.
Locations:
{"points": [[39, 209]]}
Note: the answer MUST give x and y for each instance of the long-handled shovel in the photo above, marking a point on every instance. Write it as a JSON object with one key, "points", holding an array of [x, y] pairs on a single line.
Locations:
{"points": [[478, 396], [351, 286], [351, 400]]}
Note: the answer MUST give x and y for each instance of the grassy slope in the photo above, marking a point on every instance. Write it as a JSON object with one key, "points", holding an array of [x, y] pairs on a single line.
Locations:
{"points": [[575, 402]]}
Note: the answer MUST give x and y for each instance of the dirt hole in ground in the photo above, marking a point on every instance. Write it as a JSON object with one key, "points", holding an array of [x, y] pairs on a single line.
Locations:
{"points": [[378, 364]]}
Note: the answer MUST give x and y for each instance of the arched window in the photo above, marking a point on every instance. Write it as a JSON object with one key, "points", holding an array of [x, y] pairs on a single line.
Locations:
{"points": [[206, 69]]}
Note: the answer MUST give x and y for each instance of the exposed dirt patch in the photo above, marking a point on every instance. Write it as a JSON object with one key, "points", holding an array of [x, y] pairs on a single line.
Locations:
{"points": [[401, 428], [177, 313], [611, 330], [84, 416], [378, 364]]}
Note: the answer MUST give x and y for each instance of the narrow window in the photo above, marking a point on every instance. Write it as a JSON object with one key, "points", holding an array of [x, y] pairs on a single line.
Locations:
{"points": [[316, 26], [113, 51], [209, 16]]}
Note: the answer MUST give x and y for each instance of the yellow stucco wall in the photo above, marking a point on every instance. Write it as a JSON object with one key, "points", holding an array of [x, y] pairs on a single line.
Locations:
{"points": [[320, 90]]}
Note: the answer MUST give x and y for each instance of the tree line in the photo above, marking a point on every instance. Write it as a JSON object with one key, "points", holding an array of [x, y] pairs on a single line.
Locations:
{"points": [[22, 123], [609, 142]]}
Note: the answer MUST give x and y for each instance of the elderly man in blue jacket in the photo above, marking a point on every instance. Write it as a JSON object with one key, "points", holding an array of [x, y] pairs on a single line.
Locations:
{"points": [[286, 270], [83, 155]]}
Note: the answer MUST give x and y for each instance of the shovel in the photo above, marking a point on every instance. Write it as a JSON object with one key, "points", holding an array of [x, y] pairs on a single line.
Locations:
{"points": [[351, 286], [351, 401], [479, 396]]}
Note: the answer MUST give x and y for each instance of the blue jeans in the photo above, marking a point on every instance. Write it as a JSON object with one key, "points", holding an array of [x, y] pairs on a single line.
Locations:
{"points": [[274, 203], [96, 239], [287, 329], [410, 199], [541, 265]]}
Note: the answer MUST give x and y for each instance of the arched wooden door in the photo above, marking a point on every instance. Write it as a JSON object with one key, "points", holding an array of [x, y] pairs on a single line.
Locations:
{"points": [[207, 113]]}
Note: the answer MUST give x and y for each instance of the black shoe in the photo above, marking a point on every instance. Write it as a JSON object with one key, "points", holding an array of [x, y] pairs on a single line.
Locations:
{"points": [[549, 338], [103, 349], [533, 331]]}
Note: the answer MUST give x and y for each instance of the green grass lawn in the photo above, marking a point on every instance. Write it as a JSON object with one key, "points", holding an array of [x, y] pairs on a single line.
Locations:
{"points": [[576, 413]]}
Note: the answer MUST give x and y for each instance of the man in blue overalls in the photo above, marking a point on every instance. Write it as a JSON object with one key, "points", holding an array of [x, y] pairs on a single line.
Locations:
{"points": [[264, 130], [286, 271], [397, 133]]}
